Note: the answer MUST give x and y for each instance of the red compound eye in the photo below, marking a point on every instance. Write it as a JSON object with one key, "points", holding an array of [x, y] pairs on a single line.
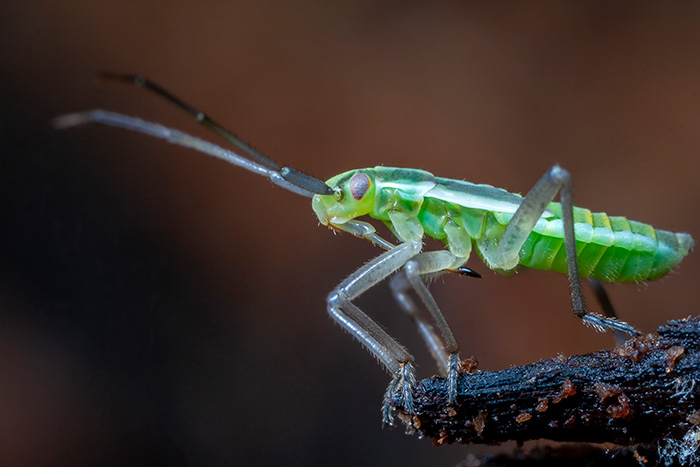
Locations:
{"points": [[359, 184]]}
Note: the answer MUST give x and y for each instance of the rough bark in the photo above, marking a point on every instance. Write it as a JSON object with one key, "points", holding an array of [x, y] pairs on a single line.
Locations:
{"points": [[642, 392]]}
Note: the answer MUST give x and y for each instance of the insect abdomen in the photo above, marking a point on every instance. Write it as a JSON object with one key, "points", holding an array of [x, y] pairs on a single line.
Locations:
{"points": [[609, 248]]}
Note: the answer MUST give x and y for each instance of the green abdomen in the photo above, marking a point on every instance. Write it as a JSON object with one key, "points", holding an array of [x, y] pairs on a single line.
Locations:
{"points": [[609, 248]]}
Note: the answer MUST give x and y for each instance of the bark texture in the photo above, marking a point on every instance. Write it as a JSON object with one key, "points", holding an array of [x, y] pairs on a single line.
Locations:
{"points": [[641, 392]]}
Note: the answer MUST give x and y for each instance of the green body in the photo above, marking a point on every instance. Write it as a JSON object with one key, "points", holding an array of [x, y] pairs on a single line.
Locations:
{"points": [[463, 215]]}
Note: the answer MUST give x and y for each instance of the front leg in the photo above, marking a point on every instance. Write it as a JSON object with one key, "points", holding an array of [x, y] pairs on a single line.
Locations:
{"points": [[505, 256], [395, 358]]}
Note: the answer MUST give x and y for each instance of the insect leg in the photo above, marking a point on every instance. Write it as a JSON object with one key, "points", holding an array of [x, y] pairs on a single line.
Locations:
{"points": [[363, 230], [607, 306], [400, 287], [425, 264], [395, 358], [519, 228]]}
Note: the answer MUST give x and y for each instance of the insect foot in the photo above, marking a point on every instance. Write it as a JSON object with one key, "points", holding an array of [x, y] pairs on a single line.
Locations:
{"points": [[602, 324], [399, 394], [454, 365]]}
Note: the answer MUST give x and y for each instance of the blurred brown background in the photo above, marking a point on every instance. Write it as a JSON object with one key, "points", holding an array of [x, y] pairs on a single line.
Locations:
{"points": [[157, 306]]}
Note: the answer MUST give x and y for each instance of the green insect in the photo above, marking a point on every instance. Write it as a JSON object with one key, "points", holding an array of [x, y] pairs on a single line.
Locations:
{"points": [[505, 229]]}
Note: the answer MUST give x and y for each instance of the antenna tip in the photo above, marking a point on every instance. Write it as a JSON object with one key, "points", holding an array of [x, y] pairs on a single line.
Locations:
{"points": [[133, 78], [69, 120]]}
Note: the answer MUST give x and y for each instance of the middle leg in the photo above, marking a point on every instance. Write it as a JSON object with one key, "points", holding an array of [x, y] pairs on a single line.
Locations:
{"points": [[446, 350]]}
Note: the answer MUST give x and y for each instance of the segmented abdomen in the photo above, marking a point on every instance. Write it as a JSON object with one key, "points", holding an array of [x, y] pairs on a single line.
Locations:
{"points": [[609, 248]]}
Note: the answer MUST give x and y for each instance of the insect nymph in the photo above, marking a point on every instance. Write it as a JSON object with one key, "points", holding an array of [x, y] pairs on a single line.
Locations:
{"points": [[505, 229]]}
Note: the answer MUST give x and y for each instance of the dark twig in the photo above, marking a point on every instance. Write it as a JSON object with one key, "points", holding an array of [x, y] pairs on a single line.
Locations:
{"points": [[644, 391]]}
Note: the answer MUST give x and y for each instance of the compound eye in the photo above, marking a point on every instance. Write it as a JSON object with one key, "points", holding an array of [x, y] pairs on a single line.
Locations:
{"points": [[359, 185]]}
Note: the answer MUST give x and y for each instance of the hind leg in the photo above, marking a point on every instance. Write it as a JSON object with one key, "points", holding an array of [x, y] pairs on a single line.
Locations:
{"points": [[505, 255]]}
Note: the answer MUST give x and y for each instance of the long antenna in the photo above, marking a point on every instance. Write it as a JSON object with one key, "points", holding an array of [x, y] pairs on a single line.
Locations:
{"points": [[294, 180], [182, 139], [201, 117]]}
